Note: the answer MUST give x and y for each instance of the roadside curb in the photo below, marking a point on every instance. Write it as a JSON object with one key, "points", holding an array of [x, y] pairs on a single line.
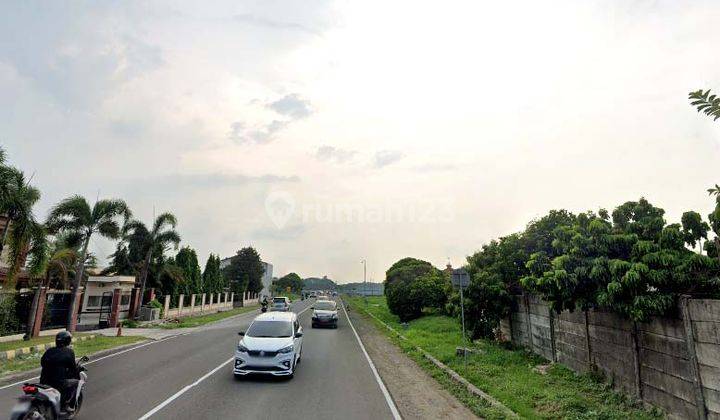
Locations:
{"points": [[11, 354], [451, 373]]}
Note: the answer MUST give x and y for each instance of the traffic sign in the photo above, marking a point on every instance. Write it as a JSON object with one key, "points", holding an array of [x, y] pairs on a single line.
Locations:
{"points": [[460, 278]]}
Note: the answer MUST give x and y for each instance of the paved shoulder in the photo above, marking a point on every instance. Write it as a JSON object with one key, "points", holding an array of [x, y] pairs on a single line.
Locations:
{"points": [[416, 394]]}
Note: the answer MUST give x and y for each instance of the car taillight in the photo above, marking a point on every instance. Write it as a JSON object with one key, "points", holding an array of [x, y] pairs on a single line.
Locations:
{"points": [[29, 389]]}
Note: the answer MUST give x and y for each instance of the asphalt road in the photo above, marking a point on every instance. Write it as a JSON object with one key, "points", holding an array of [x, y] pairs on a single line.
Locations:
{"points": [[190, 377]]}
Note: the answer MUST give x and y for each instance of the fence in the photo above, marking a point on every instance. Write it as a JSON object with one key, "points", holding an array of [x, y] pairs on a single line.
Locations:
{"points": [[197, 304], [673, 363], [56, 309]]}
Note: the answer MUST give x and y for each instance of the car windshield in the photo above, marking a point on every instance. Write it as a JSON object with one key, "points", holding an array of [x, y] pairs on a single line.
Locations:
{"points": [[270, 329], [279, 300], [325, 306]]}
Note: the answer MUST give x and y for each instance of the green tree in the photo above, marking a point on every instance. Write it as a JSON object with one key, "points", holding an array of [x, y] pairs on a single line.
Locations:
{"points": [[706, 102], [694, 229], [187, 260], [213, 278], [75, 217], [245, 271], [25, 236], [291, 280], [152, 242], [412, 285]]}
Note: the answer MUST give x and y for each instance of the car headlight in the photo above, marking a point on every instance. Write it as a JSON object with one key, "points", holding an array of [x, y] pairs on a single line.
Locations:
{"points": [[287, 349], [241, 348], [334, 316]]}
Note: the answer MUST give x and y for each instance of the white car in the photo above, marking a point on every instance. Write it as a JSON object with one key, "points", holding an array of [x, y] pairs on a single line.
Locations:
{"points": [[280, 303], [271, 345]]}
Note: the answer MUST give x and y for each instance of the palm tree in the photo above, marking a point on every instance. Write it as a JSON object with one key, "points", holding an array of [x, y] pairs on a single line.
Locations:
{"points": [[27, 237], [74, 217], [161, 236]]}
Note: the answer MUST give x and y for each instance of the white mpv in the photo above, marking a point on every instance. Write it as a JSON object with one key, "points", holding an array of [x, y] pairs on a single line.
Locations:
{"points": [[271, 345]]}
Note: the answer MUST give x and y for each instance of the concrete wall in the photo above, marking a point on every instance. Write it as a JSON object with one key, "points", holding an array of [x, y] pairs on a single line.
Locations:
{"points": [[672, 363]]}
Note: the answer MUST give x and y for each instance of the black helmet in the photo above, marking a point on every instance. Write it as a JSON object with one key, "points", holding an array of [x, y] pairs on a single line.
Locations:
{"points": [[63, 339]]}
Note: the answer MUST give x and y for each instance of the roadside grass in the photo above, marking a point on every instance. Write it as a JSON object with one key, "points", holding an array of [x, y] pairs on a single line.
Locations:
{"points": [[16, 344], [82, 348], [506, 374], [196, 321]]}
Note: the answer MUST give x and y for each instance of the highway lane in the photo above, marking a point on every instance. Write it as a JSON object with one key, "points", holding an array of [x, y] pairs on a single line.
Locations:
{"points": [[333, 380]]}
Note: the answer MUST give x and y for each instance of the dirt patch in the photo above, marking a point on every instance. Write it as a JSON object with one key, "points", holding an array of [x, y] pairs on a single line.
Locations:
{"points": [[416, 394]]}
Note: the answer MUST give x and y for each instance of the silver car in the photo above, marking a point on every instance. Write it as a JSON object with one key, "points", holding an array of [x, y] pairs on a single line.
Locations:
{"points": [[280, 304]]}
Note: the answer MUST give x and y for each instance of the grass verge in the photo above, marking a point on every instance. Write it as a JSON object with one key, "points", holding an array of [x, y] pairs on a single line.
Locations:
{"points": [[509, 375], [16, 344], [196, 321], [82, 348]]}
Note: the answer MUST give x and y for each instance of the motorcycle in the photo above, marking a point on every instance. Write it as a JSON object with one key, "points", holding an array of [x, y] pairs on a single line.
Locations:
{"points": [[263, 309], [41, 402]]}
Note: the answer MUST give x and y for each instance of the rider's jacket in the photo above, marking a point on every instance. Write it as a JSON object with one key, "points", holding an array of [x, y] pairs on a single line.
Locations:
{"points": [[58, 364]]}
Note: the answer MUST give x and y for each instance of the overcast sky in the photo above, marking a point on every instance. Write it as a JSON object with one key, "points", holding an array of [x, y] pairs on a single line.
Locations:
{"points": [[326, 132]]}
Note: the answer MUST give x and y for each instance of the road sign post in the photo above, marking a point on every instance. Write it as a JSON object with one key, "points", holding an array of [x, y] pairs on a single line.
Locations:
{"points": [[461, 279]]}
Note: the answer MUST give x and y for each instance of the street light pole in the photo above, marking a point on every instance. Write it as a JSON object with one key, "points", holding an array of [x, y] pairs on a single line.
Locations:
{"points": [[364, 263]]}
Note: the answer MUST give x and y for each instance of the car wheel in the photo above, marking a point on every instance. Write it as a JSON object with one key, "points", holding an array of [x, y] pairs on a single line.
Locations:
{"points": [[239, 377], [313, 325]]}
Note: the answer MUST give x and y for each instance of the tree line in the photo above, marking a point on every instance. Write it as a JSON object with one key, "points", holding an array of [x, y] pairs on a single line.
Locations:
{"points": [[55, 252], [630, 261]]}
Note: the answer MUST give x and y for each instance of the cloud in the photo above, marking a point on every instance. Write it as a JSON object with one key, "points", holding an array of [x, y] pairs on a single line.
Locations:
{"points": [[333, 154], [384, 158], [241, 134], [293, 106], [260, 21]]}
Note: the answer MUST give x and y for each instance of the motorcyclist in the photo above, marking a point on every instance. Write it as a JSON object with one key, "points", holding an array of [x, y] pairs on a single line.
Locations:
{"points": [[264, 302], [59, 369]]}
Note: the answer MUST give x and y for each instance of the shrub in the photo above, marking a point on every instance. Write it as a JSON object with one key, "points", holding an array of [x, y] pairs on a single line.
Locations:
{"points": [[155, 304], [9, 322], [411, 285]]}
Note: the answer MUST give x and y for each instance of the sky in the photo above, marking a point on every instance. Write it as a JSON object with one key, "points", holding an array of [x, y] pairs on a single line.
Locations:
{"points": [[324, 133]]}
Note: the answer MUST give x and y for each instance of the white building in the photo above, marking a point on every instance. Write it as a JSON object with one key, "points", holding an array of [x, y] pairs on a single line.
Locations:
{"points": [[98, 298], [266, 278]]}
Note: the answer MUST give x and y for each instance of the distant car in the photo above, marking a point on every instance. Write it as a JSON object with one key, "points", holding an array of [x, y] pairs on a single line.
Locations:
{"points": [[334, 294], [324, 314], [271, 345], [323, 297], [281, 304], [313, 294]]}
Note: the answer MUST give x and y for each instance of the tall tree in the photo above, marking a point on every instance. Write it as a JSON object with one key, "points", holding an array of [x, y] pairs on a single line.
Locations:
{"points": [[245, 271], [213, 279], [25, 236], [153, 241], [74, 216], [187, 260]]}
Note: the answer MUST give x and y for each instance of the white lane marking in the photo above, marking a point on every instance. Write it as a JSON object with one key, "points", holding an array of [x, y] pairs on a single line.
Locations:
{"points": [[101, 358], [184, 390], [386, 394], [188, 387]]}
